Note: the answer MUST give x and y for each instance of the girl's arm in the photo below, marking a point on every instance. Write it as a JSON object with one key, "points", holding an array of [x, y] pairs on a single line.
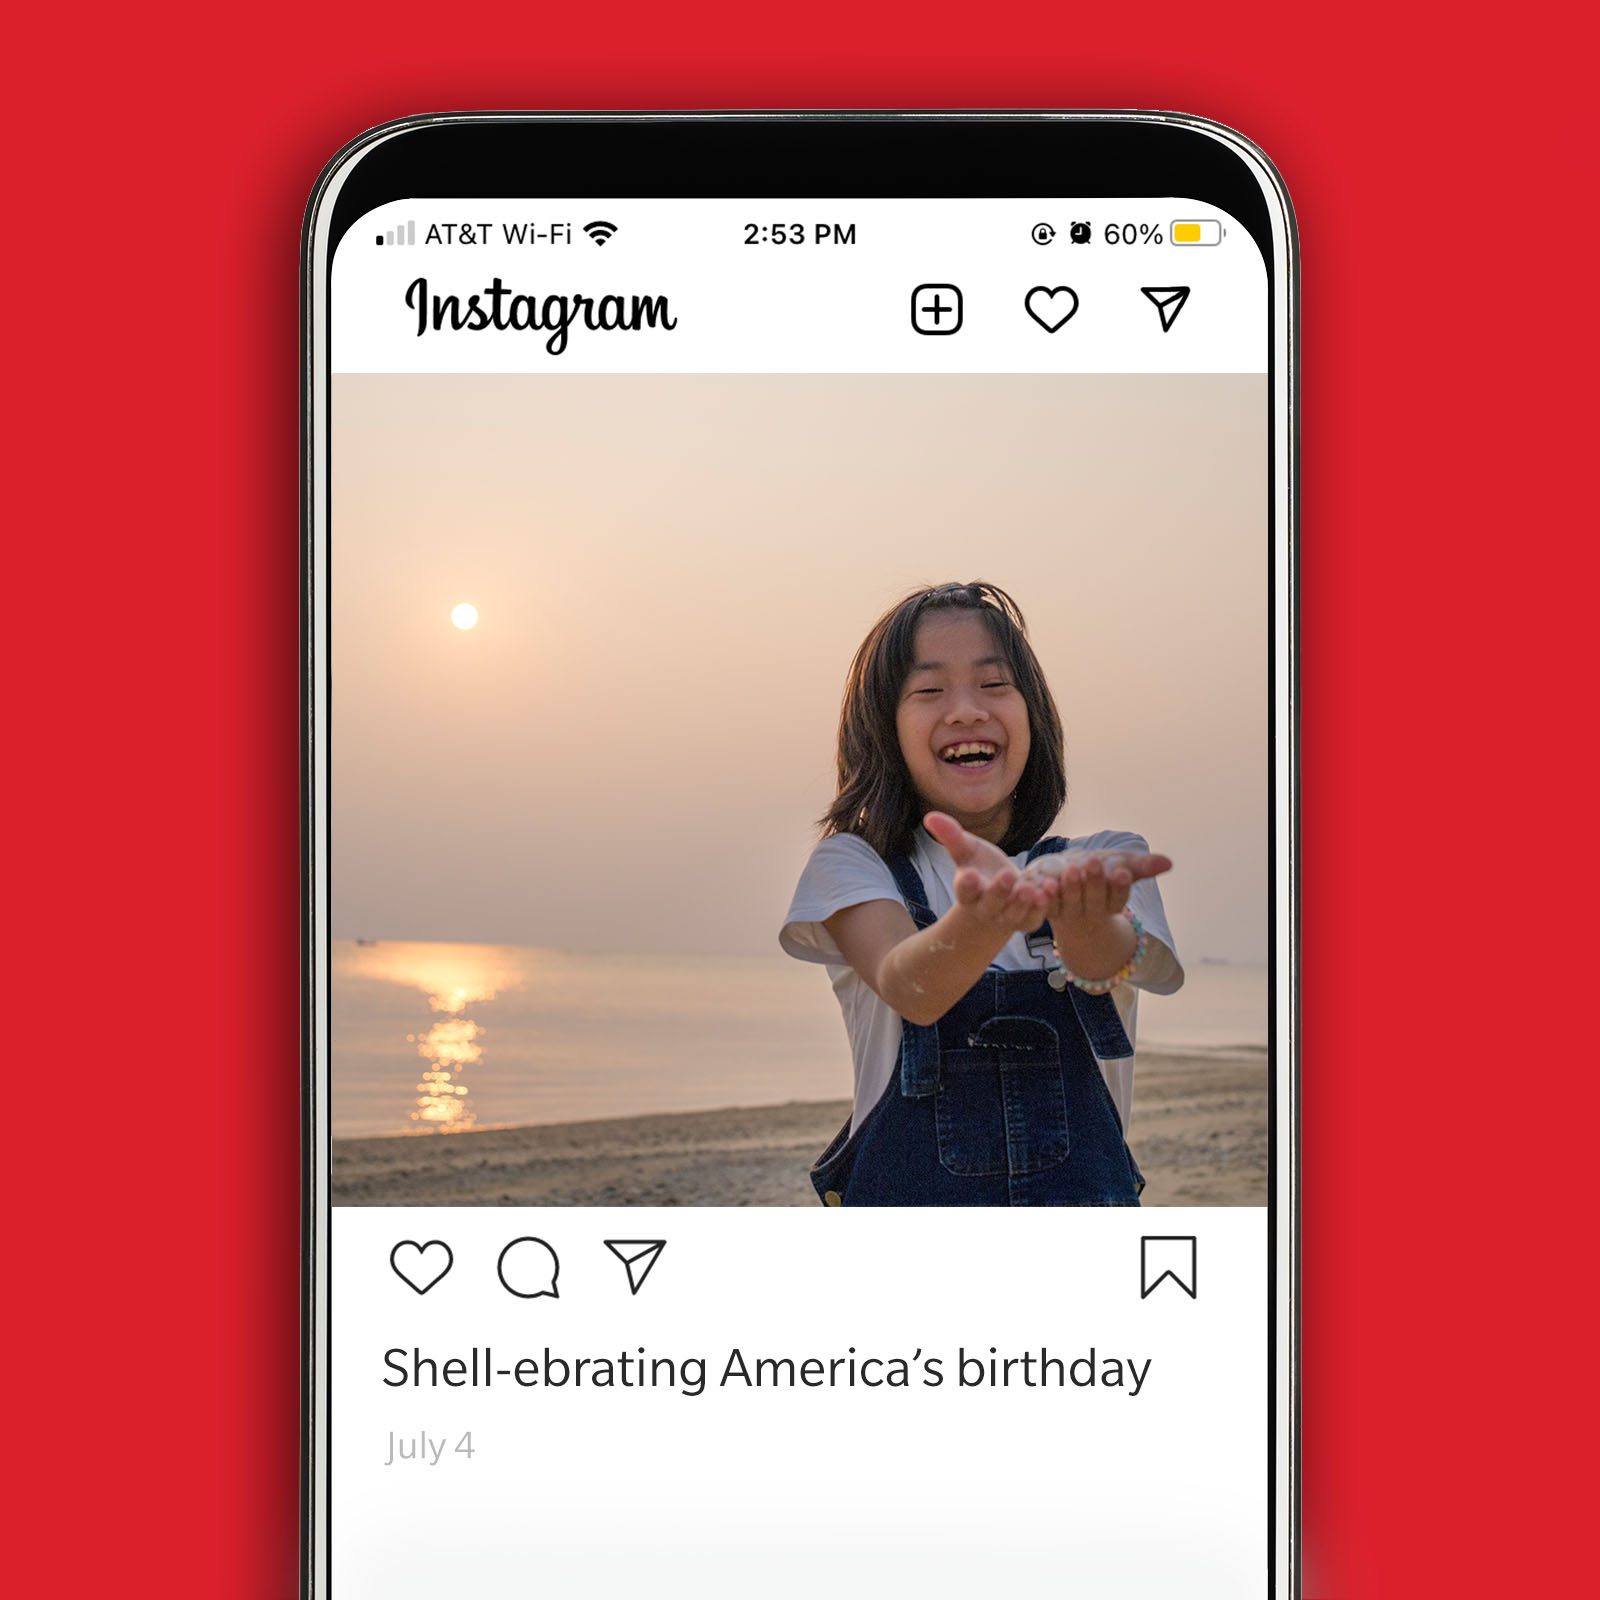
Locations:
{"points": [[921, 975], [1088, 891]]}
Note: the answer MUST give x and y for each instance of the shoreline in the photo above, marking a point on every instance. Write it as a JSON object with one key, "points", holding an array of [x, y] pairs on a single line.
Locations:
{"points": [[1148, 1055], [1199, 1133]]}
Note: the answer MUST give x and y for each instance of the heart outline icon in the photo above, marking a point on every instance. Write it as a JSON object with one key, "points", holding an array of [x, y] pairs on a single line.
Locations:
{"points": [[1051, 323], [421, 1252]]}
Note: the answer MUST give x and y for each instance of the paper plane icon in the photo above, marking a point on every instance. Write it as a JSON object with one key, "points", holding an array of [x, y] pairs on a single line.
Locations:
{"points": [[637, 1256], [1168, 303]]}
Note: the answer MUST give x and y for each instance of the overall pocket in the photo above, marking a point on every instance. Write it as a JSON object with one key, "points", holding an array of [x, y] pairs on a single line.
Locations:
{"points": [[1002, 1101]]}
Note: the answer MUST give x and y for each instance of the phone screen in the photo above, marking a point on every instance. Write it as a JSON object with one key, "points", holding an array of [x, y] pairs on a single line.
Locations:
{"points": [[799, 823]]}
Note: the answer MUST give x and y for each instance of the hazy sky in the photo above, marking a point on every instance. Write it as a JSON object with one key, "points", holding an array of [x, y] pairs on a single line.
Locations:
{"points": [[673, 573]]}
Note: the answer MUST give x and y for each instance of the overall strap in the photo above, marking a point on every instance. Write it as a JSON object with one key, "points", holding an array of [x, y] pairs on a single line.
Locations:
{"points": [[919, 1043], [909, 882], [1097, 1013]]}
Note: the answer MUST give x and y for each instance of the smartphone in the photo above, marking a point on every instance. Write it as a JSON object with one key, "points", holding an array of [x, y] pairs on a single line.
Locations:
{"points": [[799, 650]]}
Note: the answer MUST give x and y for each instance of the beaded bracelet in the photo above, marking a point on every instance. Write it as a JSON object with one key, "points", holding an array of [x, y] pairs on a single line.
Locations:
{"points": [[1060, 977]]}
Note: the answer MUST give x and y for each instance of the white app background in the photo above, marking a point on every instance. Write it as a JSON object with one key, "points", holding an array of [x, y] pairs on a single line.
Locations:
{"points": [[1069, 1489]]}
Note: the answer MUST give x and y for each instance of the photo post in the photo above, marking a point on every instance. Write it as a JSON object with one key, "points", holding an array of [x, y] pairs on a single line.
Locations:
{"points": [[592, 645]]}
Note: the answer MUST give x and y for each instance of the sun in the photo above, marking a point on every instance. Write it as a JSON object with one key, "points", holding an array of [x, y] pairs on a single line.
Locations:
{"points": [[465, 616]]}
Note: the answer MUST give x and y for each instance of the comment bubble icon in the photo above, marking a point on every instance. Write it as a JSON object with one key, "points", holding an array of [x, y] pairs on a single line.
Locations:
{"points": [[528, 1268]]}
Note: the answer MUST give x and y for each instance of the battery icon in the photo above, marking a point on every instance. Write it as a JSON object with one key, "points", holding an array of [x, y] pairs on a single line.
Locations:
{"points": [[1195, 232]]}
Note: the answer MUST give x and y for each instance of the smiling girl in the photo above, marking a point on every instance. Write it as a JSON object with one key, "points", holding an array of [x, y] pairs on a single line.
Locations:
{"points": [[986, 972]]}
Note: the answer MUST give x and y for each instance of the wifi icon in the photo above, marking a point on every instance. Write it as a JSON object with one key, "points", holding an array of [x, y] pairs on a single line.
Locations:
{"points": [[599, 231]]}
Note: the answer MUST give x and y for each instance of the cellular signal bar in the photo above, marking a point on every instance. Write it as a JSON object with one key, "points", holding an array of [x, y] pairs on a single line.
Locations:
{"points": [[401, 233]]}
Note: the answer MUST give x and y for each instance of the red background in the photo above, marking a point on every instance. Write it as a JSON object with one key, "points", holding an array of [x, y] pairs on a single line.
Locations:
{"points": [[159, 161]]}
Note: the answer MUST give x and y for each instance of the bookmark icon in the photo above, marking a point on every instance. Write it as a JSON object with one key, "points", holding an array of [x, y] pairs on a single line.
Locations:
{"points": [[1169, 1258], [637, 1256]]}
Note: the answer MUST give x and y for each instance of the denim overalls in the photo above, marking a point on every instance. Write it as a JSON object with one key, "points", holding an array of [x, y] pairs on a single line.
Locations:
{"points": [[999, 1103]]}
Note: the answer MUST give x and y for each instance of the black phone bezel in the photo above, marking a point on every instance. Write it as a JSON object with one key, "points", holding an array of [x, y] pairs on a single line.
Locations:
{"points": [[840, 155]]}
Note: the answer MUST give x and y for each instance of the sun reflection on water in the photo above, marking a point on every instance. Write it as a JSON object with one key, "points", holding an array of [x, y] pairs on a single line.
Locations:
{"points": [[447, 1047], [452, 977]]}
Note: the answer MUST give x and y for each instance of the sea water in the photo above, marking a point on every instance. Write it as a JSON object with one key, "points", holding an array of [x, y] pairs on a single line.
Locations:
{"points": [[438, 1038]]}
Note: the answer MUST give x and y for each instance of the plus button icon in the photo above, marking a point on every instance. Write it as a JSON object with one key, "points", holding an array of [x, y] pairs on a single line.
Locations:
{"points": [[936, 308]]}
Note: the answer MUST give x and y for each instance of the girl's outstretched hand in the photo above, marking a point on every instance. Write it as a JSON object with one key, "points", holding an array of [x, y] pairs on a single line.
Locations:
{"points": [[1085, 887], [987, 882]]}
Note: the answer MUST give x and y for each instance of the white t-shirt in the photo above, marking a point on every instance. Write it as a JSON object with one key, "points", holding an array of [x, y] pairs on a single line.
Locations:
{"points": [[844, 870]]}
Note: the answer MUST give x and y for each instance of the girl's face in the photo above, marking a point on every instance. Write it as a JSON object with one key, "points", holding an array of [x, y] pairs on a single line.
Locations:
{"points": [[963, 724]]}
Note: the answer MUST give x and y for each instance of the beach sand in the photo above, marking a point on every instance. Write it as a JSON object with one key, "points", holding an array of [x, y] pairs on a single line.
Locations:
{"points": [[1199, 1134]]}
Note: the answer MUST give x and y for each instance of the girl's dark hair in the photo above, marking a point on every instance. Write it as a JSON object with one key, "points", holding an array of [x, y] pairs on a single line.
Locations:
{"points": [[876, 799]]}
